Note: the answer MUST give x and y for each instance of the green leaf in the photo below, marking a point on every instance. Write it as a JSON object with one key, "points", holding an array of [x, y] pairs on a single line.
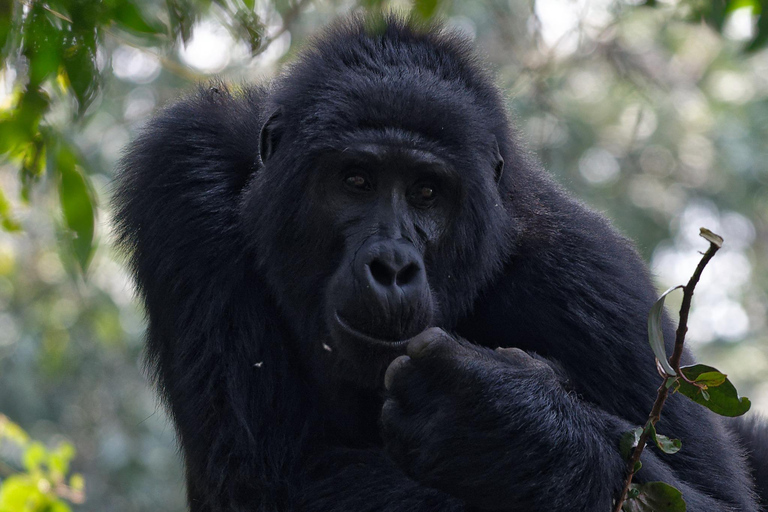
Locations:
{"points": [[6, 215], [734, 5], [425, 8], [12, 432], [32, 106], [664, 443], [34, 456], [667, 445], [32, 164], [711, 379], [656, 334], [722, 399], [77, 482], [761, 33], [41, 44], [182, 16], [655, 497], [59, 506], [249, 28], [59, 459], [6, 20], [629, 441], [79, 61], [711, 237], [129, 17], [76, 204], [372, 5], [20, 493]]}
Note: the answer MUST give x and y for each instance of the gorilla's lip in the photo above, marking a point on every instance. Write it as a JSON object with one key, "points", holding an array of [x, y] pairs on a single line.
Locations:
{"points": [[351, 331]]}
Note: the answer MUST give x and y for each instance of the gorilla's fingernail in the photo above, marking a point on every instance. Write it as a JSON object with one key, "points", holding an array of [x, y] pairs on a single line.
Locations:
{"points": [[418, 345], [388, 408], [515, 355], [394, 366], [507, 350]]}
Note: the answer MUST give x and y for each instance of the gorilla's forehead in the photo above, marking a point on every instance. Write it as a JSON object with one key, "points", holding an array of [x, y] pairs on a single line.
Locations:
{"points": [[424, 83], [352, 102]]}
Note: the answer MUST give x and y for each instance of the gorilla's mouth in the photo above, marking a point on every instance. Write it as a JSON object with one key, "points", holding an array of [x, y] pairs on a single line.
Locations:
{"points": [[349, 331]]}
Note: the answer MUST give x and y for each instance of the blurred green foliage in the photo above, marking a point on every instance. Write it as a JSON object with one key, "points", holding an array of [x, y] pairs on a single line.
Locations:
{"points": [[653, 112], [42, 482]]}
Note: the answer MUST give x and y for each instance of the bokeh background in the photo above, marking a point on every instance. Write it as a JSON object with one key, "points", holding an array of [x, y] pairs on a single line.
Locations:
{"points": [[654, 113]]}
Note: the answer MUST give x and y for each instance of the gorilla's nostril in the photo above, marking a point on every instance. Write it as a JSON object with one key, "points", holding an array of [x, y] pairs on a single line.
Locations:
{"points": [[381, 273], [407, 274]]}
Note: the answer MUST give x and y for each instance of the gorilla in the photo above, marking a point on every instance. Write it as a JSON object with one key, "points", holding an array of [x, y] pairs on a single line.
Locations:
{"points": [[364, 295]]}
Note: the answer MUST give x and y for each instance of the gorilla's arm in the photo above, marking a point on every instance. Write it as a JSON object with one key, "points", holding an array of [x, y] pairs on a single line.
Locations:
{"points": [[577, 294], [243, 410], [177, 217]]}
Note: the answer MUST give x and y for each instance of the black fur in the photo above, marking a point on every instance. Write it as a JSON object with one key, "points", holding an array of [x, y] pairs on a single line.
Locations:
{"points": [[236, 250], [752, 432]]}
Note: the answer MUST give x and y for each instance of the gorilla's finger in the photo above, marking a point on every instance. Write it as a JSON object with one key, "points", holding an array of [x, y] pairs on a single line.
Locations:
{"points": [[395, 366], [428, 342], [390, 412]]}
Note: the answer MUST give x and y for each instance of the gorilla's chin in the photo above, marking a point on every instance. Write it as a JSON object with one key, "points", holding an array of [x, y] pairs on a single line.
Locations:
{"points": [[363, 356]]}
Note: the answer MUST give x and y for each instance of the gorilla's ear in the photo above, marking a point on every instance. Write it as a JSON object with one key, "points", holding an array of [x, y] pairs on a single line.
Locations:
{"points": [[499, 167], [270, 136]]}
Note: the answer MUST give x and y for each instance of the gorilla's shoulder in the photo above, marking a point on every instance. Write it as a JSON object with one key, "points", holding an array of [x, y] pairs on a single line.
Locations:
{"points": [[212, 114], [177, 184]]}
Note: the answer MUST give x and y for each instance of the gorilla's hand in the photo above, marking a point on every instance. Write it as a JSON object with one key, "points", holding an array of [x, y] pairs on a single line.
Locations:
{"points": [[456, 413]]}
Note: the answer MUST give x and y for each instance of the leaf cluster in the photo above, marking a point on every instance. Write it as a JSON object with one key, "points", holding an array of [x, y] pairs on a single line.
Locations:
{"points": [[715, 13], [43, 482], [56, 49]]}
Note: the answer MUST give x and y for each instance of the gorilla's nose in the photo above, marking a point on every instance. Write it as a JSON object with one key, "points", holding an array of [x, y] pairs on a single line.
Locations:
{"points": [[391, 268]]}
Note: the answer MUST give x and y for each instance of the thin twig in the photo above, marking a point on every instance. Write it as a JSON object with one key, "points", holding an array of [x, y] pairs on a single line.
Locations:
{"points": [[685, 307], [663, 392]]}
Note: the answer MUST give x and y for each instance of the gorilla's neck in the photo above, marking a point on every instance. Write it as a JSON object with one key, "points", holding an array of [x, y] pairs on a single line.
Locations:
{"points": [[351, 415]]}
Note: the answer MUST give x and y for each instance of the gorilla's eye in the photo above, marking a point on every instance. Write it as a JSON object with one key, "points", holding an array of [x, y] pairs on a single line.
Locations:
{"points": [[357, 182], [424, 194]]}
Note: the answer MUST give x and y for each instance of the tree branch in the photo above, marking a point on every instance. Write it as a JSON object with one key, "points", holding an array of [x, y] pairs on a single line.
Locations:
{"points": [[663, 392]]}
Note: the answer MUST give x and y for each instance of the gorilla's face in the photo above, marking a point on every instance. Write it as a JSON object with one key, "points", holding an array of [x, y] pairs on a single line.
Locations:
{"points": [[376, 239], [392, 206]]}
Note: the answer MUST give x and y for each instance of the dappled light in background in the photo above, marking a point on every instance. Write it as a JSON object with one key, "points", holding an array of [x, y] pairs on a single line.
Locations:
{"points": [[654, 119], [211, 47], [135, 65]]}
